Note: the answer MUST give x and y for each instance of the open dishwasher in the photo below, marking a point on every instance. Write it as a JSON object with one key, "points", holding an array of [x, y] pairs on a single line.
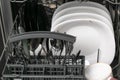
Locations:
{"points": [[33, 52]]}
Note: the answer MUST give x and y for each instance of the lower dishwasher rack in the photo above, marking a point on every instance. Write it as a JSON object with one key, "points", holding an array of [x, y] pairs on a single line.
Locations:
{"points": [[43, 70]]}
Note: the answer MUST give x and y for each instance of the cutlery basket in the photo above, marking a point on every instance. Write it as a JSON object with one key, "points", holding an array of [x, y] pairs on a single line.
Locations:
{"points": [[42, 70]]}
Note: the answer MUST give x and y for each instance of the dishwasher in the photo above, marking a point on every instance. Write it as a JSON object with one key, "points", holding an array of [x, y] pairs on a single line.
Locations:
{"points": [[37, 49]]}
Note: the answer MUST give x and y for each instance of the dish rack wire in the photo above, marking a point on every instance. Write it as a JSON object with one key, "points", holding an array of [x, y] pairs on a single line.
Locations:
{"points": [[114, 9]]}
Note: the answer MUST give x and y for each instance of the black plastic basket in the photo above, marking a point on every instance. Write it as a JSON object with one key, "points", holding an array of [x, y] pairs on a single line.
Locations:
{"points": [[44, 70]]}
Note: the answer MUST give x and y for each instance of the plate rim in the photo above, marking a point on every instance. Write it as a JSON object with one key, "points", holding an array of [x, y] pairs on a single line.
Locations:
{"points": [[94, 4], [58, 15], [91, 15]]}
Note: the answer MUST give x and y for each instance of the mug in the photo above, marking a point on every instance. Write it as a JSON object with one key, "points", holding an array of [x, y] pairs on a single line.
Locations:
{"points": [[98, 71]]}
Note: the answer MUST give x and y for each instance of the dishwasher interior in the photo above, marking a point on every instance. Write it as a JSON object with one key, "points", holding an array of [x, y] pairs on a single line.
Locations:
{"points": [[32, 52]]}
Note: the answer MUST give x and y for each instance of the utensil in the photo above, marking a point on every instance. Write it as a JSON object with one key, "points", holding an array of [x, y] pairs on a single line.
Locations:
{"points": [[24, 43]]}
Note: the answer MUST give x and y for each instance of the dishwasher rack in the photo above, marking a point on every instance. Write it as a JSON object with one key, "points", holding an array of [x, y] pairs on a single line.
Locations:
{"points": [[55, 67], [46, 71]]}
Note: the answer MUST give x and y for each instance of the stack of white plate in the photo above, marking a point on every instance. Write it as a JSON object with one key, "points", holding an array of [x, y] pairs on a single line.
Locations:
{"points": [[91, 24]]}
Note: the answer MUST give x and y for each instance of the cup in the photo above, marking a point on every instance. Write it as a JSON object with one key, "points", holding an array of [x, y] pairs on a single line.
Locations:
{"points": [[98, 71]]}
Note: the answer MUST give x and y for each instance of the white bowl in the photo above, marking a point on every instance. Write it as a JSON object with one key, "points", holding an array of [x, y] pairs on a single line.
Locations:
{"points": [[98, 71], [91, 35], [82, 16]]}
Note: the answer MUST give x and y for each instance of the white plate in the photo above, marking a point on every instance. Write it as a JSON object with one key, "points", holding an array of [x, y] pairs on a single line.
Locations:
{"points": [[81, 10], [91, 35], [78, 3], [82, 16]]}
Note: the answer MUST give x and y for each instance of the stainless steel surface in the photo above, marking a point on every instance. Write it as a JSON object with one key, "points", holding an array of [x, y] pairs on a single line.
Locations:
{"points": [[6, 16]]}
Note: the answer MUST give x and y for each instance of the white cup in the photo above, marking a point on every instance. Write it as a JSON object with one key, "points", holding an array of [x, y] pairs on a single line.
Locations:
{"points": [[98, 71]]}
